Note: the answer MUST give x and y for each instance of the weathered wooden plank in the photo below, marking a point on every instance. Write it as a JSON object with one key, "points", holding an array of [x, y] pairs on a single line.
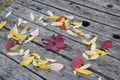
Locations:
{"points": [[10, 70], [65, 74], [108, 6], [113, 51], [84, 12], [73, 49], [94, 27]]}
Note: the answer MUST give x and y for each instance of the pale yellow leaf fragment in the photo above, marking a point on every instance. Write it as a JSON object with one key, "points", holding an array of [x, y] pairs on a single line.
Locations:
{"points": [[53, 17], [8, 14], [56, 24], [14, 48], [27, 52], [71, 33], [21, 51], [90, 52], [50, 13], [94, 57], [93, 46], [100, 78], [20, 21], [40, 18], [12, 53], [32, 16], [93, 40], [85, 42], [50, 60], [85, 66], [24, 21], [24, 30], [29, 39], [85, 56]]}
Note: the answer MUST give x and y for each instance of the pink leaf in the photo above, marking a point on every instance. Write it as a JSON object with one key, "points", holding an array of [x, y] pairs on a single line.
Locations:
{"points": [[35, 32], [107, 44], [77, 62], [9, 44], [56, 66]]}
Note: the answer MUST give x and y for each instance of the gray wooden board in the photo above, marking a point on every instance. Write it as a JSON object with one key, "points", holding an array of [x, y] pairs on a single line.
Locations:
{"points": [[65, 74], [73, 49], [95, 28], [114, 51], [9, 70], [100, 5], [85, 12]]}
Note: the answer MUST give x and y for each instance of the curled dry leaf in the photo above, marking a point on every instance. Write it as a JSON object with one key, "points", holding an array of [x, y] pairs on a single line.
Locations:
{"points": [[35, 32], [8, 14], [77, 62], [56, 66]]}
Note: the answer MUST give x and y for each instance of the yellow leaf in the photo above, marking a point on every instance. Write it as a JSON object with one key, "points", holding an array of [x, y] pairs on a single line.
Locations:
{"points": [[29, 39], [71, 33], [100, 52], [85, 66], [12, 53], [56, 24], [14, 48], [86, 72], [62, 20], [94, 57], [31, 16], [51, 60], [2, 24], [27, 61], [77, 24], [42, 62], [53, 17], [45, 23], [93, 40], [27, 52], [19, 21], [85, 56], [85, 42], [50, 13], [25, 22], [81, 33], [9, 13], [93, 47], [44, 67], [21, 51], [24, 30], [67, 24], [36, 55], [90, 52]]}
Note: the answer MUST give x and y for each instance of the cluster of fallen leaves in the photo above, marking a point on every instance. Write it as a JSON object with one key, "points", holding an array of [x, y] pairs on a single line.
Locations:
{"points": [[35, 59], [55, 43]]}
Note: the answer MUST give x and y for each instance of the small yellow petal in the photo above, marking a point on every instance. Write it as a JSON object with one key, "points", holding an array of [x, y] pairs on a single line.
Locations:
{"points": [[44, 67], [19, 21], [93, 47], [77, 24], [2, 24], [51, 60], [93, 40], [50, 13], [30, 39], [24, 30], [85, 42], [53, 17], [32, 16], [56, 24], [14, 48], [9, 13], [86, 72], [94, 57]]}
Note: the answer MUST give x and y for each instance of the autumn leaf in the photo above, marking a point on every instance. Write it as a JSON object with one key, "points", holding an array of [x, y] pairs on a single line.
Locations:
{"points": [[32, 16], [71, 33], [107, 44], [54, 43], [35, 32], [56, 66], [77, 24], [2, 24], [77, 62], [8, 14], [20, 21], [83, 71]]}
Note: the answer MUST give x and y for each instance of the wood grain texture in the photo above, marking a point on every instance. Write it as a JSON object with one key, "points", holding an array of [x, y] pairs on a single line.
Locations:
{"points": [[73, 49], [106, 6], [83, 12], [25, 15], [10, 70]]}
